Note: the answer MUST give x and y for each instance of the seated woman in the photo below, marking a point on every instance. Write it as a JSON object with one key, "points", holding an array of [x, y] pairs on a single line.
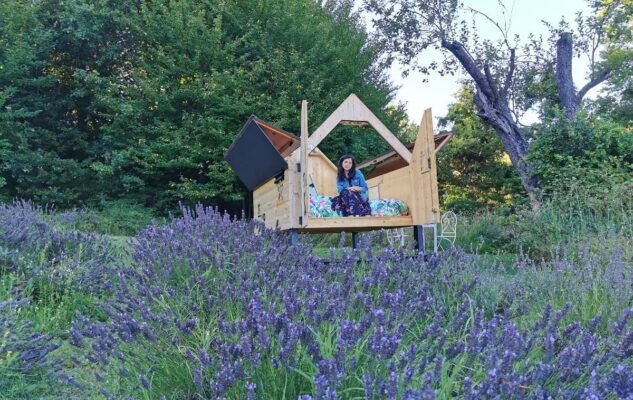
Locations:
{"points": [[352, 189]]}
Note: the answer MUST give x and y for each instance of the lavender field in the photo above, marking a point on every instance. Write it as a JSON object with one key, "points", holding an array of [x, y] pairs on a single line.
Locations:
{"points": [[208, 307]]}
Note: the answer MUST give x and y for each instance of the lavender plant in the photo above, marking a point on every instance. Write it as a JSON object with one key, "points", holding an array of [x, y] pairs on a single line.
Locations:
{"points": [[36, 245], [24, 350], [214, 307]]}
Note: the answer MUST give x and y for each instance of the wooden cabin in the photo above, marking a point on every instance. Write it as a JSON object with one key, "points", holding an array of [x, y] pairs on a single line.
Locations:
{"points": [[279, 168]]}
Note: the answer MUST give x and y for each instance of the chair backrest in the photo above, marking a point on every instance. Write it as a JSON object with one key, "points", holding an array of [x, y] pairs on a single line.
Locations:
{"points": [[449, 228]]}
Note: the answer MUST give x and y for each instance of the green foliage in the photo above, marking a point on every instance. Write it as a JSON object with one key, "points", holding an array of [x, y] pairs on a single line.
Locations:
{"points": [[601, 221], [589, 155], [473, 169], [107, 100], [484, 232], [113, 218], [617, 98], [48, 121]]}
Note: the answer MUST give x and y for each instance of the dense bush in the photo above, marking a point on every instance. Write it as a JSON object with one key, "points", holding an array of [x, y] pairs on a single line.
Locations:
{"points": [[220, 308], [581, 154]]}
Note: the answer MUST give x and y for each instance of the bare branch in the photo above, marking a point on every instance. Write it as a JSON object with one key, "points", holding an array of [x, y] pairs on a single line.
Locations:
{"points": [[469, 64], [603, 76], [509, 74], [504, 33]]}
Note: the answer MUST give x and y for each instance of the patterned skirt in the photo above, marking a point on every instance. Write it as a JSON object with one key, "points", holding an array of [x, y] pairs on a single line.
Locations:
{"points": [[351, 204]]}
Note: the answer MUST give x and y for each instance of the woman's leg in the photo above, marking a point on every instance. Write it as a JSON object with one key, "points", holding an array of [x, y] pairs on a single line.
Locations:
{"points": [[351, 204], [357, 206]]}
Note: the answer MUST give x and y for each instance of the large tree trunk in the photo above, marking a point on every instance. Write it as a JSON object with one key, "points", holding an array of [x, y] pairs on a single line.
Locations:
{"points": [[564, 78], [569, 99], [514, 142], [494, 108], [491, 98]]}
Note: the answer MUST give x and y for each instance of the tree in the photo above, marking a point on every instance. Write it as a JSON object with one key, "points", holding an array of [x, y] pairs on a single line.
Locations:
{"points": [[497, 70], [138, 100], [474, 171], [617, 99], [48, 120]]}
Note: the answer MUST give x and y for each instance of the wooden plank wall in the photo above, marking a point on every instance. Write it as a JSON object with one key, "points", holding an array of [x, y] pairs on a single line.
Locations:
{"points": [[426, 205], [393, 185], [271, 202], [323, 174]]}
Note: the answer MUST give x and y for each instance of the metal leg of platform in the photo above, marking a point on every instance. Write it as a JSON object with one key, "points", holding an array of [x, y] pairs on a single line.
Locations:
{"points": [[420, 240], [418, 236], [354, 240], [294, 236]]}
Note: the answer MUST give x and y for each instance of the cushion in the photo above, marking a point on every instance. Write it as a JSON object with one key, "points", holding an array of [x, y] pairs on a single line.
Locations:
{"points": [[321, 207]]}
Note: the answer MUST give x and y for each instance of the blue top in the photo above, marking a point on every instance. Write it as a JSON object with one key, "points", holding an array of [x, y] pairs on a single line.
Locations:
{"points": [[357, 180]]}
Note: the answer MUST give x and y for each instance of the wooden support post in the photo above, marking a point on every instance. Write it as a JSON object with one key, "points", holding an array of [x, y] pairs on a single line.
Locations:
{"points": [[305, 190], [425, 203], [354, 240], [294, 236]]}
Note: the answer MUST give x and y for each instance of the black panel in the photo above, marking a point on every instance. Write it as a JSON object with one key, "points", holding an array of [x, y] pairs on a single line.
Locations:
{"points": [[253, 157]]}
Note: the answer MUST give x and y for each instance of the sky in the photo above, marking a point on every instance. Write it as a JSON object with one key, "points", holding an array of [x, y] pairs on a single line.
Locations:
{"points": [[526, 18]]}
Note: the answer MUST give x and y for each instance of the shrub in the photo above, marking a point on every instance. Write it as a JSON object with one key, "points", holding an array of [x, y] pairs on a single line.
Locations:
{"points": [[582, 154]]}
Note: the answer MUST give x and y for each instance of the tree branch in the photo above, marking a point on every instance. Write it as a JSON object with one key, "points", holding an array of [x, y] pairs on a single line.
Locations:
{"points": [[504, 32], [492, 84], [509, 75], [603, 76], [469, 64]]}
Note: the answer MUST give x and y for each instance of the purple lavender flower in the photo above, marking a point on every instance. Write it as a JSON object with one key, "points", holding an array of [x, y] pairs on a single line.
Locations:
{"points": [[230, 305]]}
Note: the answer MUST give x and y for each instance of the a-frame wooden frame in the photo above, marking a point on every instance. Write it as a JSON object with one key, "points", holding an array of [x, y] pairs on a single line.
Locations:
{"points": [[285, 203], [352, 110]]}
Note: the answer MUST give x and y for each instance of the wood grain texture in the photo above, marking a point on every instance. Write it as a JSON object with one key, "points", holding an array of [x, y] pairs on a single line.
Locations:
{"points": [[425, 205], [355, 224], [305, 192], [354, 110]]}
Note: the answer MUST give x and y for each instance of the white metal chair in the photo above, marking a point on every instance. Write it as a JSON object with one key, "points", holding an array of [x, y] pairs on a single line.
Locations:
{"points": [[448, 232], [396, 237], [445, 239]]}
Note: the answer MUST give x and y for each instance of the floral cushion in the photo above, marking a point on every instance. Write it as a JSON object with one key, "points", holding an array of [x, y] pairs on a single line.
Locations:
{"points": [[388, 208], [321, 207]]}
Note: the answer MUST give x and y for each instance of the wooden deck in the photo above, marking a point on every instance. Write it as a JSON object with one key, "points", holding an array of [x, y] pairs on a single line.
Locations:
{"points": [[355, 224]]}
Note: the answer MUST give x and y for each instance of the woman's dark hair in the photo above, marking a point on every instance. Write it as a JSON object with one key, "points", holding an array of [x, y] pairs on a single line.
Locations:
{"points": [[341, 172]]}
